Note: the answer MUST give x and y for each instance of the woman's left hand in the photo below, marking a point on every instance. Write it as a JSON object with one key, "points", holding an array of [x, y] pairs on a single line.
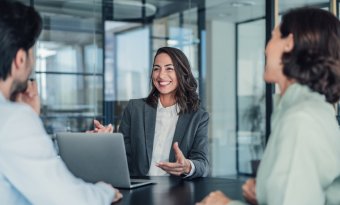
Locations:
{"points": [[215, 198], [181, 166], [249, 191]]}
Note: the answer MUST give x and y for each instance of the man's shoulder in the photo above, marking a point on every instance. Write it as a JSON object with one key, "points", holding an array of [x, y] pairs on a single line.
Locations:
{"points": [[16, 113], [10, 108]]}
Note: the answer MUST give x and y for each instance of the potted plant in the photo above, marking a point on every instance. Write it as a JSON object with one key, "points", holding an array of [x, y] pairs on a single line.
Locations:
{"points": [[254, 115]]}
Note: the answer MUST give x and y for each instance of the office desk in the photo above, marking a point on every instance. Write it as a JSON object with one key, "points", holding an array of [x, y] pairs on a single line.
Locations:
{"points": [[175, 191]]}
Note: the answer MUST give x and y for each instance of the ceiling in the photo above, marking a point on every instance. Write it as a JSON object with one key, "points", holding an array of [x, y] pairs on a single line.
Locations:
{"points": [[85, 16], [226, 10], [244, 10]]}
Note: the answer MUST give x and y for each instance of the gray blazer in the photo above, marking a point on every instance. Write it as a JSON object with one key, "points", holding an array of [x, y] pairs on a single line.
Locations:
{"points": [[138, 127]]}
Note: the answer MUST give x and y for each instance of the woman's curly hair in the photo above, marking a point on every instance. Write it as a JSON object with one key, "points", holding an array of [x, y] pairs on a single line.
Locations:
{"points": [[186, 93], [315, 58]]}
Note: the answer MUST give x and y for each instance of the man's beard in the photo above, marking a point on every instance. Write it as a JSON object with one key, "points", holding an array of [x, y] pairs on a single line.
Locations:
{"points": [[17, 87]]}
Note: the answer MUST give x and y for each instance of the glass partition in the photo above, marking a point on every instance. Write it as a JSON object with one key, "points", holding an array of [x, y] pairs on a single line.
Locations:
{"points": [[127, 62], [250, 94], [69, 66]]}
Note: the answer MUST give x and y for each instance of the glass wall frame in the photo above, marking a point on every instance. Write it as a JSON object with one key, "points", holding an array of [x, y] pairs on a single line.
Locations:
{"points": [[69, 65]]}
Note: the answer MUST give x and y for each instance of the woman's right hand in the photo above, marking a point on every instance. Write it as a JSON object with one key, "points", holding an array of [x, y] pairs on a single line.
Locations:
{"points": [[118, 196], [249, 191], [99, 128]]}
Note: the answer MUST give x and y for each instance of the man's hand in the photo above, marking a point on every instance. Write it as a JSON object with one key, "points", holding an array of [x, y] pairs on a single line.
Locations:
{"points": [[215, 198], [99, 128], [181, 166], [249, 191], [30, 96]]}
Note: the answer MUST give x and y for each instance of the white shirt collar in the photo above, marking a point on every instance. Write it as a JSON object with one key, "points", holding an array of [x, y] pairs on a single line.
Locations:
{"points": [[173, 109]]}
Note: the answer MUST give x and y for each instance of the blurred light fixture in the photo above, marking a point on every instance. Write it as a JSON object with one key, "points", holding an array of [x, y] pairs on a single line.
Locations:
{"points": [[44, 53], [138, 4], [242, 3], [172, 42]]}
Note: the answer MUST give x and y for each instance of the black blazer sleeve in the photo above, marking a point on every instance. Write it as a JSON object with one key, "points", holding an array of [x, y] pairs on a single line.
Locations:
{"points": [[125, 129], [198, 153]]}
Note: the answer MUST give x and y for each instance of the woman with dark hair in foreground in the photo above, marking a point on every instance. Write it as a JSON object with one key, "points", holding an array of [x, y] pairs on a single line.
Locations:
{"points": [[167, 132], [301, 163]]}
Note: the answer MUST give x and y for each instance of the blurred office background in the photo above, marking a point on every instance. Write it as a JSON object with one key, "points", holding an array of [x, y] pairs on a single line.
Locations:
{"points": [[95, 55]]}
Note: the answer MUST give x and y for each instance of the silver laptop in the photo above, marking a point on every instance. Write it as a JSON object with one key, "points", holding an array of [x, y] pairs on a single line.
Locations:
{"points": [[97, 157]]}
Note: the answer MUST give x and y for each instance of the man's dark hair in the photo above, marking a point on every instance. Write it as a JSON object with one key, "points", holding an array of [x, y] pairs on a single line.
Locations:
{"points": [[314, 60], [185, 94], [20, 26]]}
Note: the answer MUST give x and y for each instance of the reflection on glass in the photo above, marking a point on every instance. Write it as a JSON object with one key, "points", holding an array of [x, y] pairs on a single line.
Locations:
{"points": [[133, 63], [69, 68], [250, 94], [72, 100]]}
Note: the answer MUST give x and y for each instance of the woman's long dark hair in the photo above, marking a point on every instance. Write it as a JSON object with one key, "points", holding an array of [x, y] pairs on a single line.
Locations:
{"points": [[314, 60], [185, 94]]}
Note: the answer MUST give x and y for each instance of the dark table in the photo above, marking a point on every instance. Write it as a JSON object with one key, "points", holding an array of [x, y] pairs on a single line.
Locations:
{"points": [[176, 191]]}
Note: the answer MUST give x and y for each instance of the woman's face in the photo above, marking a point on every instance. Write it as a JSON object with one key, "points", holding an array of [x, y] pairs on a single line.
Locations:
{"points": [[163, 75], [274, 51]]}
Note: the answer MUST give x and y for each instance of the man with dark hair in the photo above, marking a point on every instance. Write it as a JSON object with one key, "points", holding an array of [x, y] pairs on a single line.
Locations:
{"points": [[30, 170]]}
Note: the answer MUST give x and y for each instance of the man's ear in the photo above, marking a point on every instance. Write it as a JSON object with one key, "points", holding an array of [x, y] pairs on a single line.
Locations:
{"points": [[19, 61], [289, 45]]}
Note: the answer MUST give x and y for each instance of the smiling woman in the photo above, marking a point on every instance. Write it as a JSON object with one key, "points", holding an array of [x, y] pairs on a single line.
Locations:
{"points": [[164, 79], [170, 115], [173, 80], [167, 132]]}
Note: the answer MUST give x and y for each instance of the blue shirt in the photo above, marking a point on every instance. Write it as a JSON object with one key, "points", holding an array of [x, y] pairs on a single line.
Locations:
{"points": [[30, 170]]}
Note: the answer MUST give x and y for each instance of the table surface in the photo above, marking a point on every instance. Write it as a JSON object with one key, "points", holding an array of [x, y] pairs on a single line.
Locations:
{"points": [[176, 191]]}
